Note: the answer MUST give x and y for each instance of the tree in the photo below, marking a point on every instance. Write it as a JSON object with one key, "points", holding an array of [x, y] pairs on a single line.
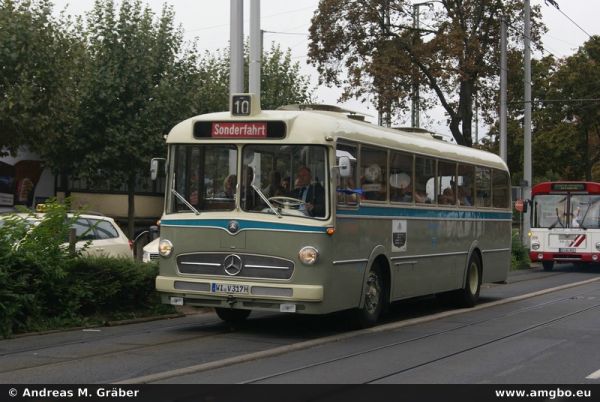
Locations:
{"points": [[38, 56], [577, 84], [136, 89], [281, 80], [454, 55]]}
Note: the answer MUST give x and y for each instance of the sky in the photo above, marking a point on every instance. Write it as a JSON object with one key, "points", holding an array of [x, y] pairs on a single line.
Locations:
{"points": [[287, 23]]}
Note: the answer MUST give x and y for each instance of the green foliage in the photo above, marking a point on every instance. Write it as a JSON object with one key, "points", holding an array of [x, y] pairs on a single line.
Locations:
{"points": [[44, 285], [519, 253], [33, 264], [38, 55]]}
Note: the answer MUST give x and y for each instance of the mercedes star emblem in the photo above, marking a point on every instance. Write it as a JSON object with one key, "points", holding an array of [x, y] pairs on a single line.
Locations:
{"points": [[232, 264], [233, 226]]}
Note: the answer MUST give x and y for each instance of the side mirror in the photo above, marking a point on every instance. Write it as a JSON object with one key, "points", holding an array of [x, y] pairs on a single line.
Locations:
{"points": [[521, 205], [344, 166], [154, 167]]}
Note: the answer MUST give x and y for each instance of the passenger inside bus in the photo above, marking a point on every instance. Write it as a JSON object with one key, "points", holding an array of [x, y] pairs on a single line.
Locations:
{"points": [[447, 197], [275, 189], [311, 193], [463, 198], [249, 197], [400, 188], [285, 185], [229, 186]]}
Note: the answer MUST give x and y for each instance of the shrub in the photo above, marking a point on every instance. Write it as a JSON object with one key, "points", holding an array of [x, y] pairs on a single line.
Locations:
{"points": [[45, 286], [33, 261], [520, 254]]}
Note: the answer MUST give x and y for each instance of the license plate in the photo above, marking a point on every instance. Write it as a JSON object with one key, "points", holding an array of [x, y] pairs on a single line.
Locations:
{"points": [[567, 250], [229, 288]]}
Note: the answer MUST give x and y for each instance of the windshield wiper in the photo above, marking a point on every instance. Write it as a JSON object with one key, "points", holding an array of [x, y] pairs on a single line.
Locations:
{"points": [[182, 199], [557, 221], [266, 200]]}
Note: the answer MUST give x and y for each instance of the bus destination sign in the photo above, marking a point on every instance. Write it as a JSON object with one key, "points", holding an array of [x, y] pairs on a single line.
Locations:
{"points": [[239, 130], [568, 187]]}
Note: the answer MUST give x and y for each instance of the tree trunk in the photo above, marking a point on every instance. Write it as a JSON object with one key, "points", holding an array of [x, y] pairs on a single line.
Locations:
{"points": [[465, 110], [131, 206]]}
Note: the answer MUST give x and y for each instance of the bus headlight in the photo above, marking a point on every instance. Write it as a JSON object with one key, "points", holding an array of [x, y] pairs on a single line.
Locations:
{"points": [[165, 247], [308, 255], [598, 246], [535, 246]]}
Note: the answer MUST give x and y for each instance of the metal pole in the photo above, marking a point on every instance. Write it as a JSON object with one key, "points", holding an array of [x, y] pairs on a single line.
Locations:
{"points": [[527, 175], [503, 72], [255, 47], [236, 44]]}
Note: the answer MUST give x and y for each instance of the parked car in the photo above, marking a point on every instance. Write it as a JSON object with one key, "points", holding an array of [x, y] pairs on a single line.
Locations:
{"points": [[101, 234], [151, 251]]}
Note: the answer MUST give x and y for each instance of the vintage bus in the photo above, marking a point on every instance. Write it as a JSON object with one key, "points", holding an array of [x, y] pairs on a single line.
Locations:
{"points": [[310, 211], [565, 223]]}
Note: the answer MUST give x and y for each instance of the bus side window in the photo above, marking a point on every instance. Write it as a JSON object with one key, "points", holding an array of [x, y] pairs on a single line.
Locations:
{"points": [[373, 173], [347, 191], [446, 193], [500, 189], [483, 182], [424, 180], [401, 177], [464, 183]]}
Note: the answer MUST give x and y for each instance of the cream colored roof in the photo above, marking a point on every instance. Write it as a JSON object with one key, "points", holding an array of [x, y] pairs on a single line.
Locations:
{"points": [[311, 126]]}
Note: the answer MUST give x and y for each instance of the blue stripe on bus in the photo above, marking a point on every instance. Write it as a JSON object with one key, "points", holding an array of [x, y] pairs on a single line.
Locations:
{"points": [[425, 213], [244, 225]]}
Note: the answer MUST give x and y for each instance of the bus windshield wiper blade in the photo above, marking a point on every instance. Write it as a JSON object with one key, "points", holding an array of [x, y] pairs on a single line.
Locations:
{"points": [[266, 200], [182, 199], [557, 221]]}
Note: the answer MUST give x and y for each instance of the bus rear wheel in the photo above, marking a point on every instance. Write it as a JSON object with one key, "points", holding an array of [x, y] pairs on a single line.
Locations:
{"points": [[468, 296], [374, 303], [548, 265], [232, 315]]}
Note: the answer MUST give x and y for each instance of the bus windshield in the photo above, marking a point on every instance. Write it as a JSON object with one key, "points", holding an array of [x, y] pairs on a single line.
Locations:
{"points": [[566, 211], [273, 179]]}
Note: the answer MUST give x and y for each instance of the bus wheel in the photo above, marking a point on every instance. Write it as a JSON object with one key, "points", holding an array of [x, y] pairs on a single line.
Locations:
{"points": [[232, 315], [368, 314], [548, 265], [469, 295]]}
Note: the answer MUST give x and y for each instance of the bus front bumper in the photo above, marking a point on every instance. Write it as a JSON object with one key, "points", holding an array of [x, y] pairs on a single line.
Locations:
{"points": [[564, 257], [219, 289]]}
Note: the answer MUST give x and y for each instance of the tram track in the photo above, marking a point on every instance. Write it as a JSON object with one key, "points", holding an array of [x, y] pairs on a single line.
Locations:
{"points": [[255, 356], [430, 335], [216, 333], [39, 350]]}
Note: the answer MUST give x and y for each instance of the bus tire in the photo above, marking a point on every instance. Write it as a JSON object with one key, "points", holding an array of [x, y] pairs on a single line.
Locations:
{"points": [[548, 265], [232, 315], [375, 300], [469, 294]]}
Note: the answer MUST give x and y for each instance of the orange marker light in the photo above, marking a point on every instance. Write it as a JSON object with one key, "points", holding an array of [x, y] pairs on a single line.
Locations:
{"points": [[330, 231]]}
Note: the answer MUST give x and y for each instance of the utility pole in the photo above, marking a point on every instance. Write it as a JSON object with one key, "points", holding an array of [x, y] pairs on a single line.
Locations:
{"points": [[503, 85], [236, 47], [255, 48], [527, 175]]}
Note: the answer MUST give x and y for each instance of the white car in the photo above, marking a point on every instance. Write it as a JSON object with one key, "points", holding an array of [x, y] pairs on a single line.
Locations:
{"points": [[151, 251], [101, 234]]}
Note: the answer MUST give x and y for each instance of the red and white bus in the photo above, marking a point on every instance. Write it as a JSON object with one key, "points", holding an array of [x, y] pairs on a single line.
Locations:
{"points": [[565, 223]]}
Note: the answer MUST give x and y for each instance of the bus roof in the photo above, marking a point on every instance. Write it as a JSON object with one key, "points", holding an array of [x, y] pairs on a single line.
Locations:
{"points": [[320, 127]]}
